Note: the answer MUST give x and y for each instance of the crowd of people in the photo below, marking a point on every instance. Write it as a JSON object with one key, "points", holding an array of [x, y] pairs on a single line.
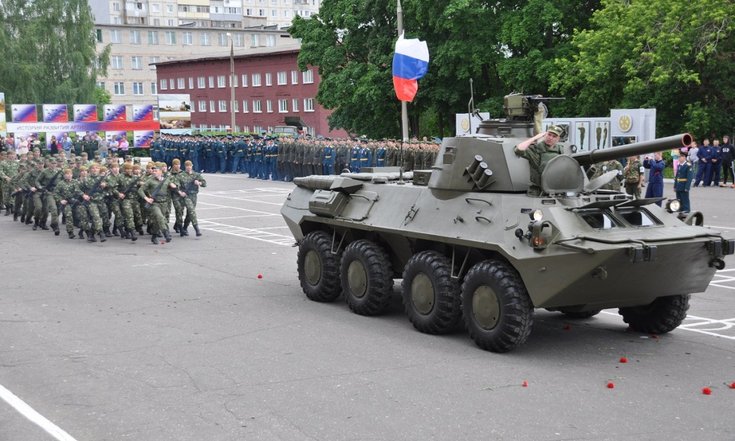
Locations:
{"points": [[284, 158], [99, 199]]}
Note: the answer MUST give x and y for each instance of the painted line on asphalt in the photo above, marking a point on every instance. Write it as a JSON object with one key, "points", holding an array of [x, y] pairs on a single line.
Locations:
{"points": [[244, 199], [248, 233], [33, 416]]}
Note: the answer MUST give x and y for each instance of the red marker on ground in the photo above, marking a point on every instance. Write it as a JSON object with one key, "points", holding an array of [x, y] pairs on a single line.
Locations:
{"points": [[732, 385], [706, 391], [524, 384], [610, 385], [260, 276], [623, 359]]}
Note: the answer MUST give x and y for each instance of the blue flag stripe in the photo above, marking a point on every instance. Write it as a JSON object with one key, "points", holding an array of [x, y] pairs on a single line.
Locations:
{"points": [[409, 68]]}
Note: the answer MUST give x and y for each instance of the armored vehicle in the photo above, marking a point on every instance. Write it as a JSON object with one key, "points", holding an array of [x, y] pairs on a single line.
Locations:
{"points": [[471, 246]]}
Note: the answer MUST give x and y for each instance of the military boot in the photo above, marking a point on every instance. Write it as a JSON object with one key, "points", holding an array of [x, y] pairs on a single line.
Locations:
{"points": [[196, 228], [90, 237], [167, 235], [103, 237], [106, 230], [124, 233], [71, 235], [114, 231], [7, 210], [15, 216], [43, 225], [185, 229], [81, 233], [154, 239], [35, 225], [132, 235], [56, 230], [177, 227], [140, 230]]}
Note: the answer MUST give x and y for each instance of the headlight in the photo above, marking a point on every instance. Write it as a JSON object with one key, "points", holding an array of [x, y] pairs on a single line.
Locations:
{"points": [[537, 215], [673, 205]]}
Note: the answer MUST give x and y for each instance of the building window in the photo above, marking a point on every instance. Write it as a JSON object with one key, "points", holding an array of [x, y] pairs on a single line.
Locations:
{"points": [[222, 105], [153, 37], [295, 105], [307, 77], [152, 61], [191, 82], [269, 106], [257, 129], [294, 77], [223, 40], [170, 37], [154, 88], [134, 37], [268, 79], [283, 105], [211, 106], [253, 40], [114, 36], [98, 35], [244, 106], [270, 40], [238, 40], [220, 81], [116, 6], [257, 107], [308, 104], [136, 62], [171, 84], [256, 80], [180, 83], [137, 88], [282, 78], [232, 80], [244, 80], [235, 106], [202, 105], [187, 39], [164, 85], [119, 88], [201, 83], [116, 62], [211, 82], [204, 39]]}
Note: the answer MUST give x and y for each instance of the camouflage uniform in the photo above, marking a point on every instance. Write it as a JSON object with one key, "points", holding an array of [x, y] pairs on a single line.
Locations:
{"points": [[632, 176], [188, 186], [66, 192], [157, 189]]}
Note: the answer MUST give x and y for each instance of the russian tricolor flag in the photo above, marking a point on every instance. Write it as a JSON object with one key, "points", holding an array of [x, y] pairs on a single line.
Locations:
{"points": [[410, 62]]}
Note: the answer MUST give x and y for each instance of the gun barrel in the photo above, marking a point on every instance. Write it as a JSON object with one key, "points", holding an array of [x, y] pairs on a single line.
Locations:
{"points": [[638, 148]]}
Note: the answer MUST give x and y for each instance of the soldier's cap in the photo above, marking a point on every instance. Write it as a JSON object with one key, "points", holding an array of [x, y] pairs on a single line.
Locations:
{"points": [[128, 158], [176, 161], [555, 130], [127, 166], [188, 163]]}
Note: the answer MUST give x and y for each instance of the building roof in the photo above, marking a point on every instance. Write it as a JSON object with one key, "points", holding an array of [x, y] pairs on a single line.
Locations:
{"points": [[288, 48]]}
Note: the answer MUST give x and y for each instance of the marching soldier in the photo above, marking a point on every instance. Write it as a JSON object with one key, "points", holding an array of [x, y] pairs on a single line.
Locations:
{"points": [[189, 184]]}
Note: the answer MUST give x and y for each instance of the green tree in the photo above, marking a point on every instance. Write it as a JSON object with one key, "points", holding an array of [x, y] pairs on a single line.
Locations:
{"points": [[49, 51], [674, 55]]}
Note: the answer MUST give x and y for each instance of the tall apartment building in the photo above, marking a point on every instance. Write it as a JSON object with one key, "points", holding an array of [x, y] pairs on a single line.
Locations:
{"points": [[144, 32]]}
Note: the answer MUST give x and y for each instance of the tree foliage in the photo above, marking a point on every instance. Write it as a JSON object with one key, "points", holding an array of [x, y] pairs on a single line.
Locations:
{"points": [[674, 55], [48, 49], [503, 45]]}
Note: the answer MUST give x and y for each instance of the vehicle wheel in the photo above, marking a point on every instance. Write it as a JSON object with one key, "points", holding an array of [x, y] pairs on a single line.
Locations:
{"points": [[430, 294], [579, 314], [659, 317], [318, 267], [497, 311], [367, 278]]}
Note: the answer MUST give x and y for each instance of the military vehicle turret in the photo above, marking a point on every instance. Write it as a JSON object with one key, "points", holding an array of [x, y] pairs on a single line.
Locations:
{"points": [[471, 246]]}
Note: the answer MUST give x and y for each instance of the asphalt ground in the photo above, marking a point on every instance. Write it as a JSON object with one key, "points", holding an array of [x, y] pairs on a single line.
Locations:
{"points": [[186, 341]]}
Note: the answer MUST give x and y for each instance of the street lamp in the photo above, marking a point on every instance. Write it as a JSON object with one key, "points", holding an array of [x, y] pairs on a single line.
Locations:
{"points": [[232, 83]]}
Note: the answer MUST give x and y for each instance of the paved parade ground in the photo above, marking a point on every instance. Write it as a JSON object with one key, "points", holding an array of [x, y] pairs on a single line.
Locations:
{"points": [[211, 338]]}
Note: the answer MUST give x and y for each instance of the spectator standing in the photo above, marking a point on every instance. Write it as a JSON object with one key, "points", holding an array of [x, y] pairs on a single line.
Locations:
{"points": [[704, 168], [655, 187], [683, 182], [103, 147], [633, 177], [715, 160], [692, 156], [726, 153]]}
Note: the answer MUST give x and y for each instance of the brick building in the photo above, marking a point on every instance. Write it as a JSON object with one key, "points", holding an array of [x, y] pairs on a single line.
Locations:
{"points": [[270, 91]]}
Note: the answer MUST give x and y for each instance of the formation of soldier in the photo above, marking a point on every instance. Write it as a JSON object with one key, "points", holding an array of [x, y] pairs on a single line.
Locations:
{"points": [[282, 159], [100, 200]]}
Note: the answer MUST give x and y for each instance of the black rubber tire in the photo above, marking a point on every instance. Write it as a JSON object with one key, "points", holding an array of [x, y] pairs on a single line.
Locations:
{"points": [[659, 317], [368, 260], [579, 315], [445, 308], [513, 315], [324, 285]]}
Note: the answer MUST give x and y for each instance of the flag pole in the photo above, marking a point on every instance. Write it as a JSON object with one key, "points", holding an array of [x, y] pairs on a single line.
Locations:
{"points": [[404, 105]]}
